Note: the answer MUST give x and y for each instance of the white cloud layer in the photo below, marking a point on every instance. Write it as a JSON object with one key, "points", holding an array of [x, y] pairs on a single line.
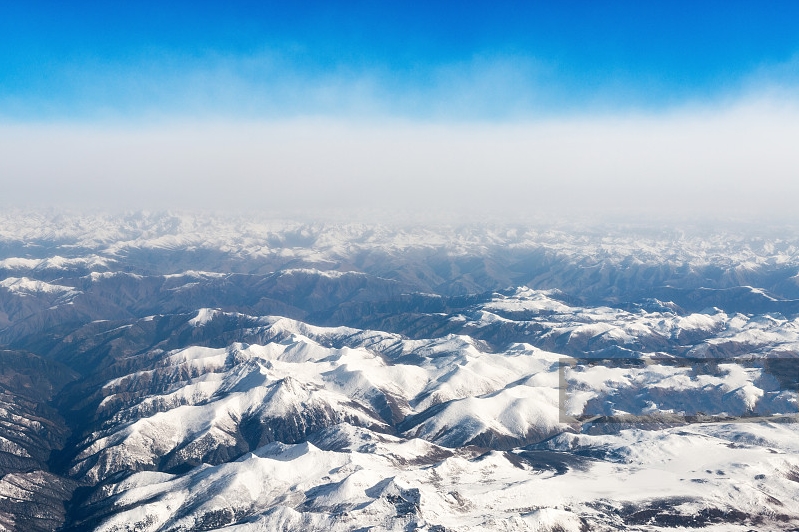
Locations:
{"points": [[736, 161]]}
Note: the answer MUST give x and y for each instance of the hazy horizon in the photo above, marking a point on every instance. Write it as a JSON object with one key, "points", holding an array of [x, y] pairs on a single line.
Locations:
{"points": [[464, 111]]}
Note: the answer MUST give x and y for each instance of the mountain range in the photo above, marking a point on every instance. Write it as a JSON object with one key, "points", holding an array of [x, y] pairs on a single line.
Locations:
{"points": [[174, 372]]}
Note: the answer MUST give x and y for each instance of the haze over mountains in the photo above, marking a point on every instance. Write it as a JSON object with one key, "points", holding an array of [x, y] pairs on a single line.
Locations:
{"points": [[168, 372], [457, 343]]}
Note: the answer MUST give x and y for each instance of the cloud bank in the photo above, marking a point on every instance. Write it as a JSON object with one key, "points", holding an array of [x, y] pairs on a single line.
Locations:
{"points": [[737, 161]]}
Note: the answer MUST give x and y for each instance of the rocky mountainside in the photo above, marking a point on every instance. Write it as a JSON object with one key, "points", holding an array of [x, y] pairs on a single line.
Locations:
{"points": [[165, 373]]}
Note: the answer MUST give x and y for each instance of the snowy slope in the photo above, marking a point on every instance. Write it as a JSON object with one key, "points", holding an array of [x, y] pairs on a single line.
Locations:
{"points": [[469, 439], [705, 477]]}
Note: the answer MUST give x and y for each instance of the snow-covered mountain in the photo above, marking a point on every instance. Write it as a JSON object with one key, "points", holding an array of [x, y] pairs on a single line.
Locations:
{"points": [[165, 373]]}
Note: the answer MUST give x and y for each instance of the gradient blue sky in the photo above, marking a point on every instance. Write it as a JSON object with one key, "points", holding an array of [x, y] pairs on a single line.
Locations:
{"points": [[453, 60], [436, 81]]}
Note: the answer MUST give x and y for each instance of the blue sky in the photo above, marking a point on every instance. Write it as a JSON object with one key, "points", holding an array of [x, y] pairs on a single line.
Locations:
{"points": [[424, 60], [635, 108]]}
